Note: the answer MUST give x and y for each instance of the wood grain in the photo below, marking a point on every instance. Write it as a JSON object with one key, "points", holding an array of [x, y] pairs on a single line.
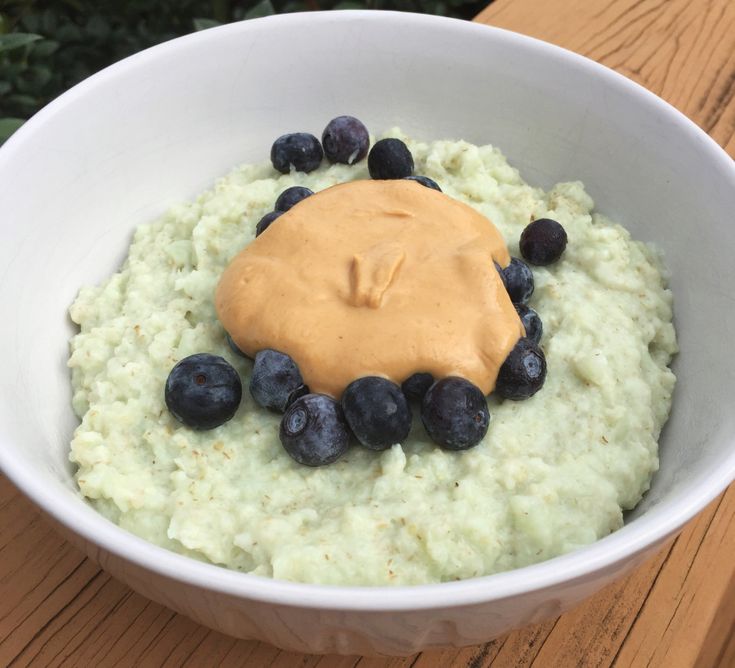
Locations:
{"points": [[58, 608]]}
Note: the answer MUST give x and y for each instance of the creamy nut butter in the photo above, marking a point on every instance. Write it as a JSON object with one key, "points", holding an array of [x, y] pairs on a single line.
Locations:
{"points": [[384, 278]]}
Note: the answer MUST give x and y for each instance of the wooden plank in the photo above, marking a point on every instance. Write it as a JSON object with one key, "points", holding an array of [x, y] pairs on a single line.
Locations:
{"points": [[688, 596], [678, 609], [714, 652], [682, 50]]}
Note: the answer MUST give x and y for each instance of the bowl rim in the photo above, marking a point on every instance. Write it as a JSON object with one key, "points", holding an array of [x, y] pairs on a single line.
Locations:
{"points": [[644, 533]]}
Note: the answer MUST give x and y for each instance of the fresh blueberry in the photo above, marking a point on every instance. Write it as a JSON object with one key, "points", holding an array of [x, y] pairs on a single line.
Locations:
{"points": [[265, 221], [455, 413], [416, 386], [424, 181], [314, 431], [300, 391], [234, 348], [203, 391], [518, 280], [291, 196], [531, 322], [345, 140], [543, 241], [299, 150], [376, 411], [390, 159], [523, 372], [274, 380]]}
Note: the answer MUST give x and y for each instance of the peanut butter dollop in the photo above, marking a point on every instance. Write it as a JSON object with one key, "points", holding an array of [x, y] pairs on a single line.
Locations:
{"points": [[384, 278]]}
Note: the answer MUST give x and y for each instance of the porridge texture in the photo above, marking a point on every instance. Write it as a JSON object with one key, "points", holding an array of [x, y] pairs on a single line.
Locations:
{"points": [[554, 472]]}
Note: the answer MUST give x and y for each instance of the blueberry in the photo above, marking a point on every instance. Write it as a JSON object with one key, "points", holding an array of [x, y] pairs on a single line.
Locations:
{"points": [[518, 280], [291, 196], [543, 241], [376, 411], [424, 181], [314, 431], [455, 413], [345, 140], [234, 348], [531, 322], [300, 391], [274, 380], [523, 372], [203, 391], [265, 221], [415, 387], [390, 159], [299, 150]]}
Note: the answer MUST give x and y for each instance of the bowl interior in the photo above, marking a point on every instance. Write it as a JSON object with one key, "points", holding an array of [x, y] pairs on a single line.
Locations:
{"points": [[159, 127]]}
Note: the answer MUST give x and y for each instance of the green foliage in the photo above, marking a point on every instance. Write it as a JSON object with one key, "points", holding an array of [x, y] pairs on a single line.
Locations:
{"points": [[8, 126], [15, 40], [47, 46]]}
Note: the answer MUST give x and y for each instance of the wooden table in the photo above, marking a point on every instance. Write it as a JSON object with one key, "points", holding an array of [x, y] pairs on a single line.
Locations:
{"points": [[677, 610]]}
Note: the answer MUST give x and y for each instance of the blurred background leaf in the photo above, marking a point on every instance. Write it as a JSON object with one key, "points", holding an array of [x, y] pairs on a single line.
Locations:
{"points": [[203, 24], [8, 126], [16, 40], [263, 8], [47, 46]]}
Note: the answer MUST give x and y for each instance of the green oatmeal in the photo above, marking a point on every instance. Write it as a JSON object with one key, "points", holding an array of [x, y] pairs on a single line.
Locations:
{"points": [[554, 472]]}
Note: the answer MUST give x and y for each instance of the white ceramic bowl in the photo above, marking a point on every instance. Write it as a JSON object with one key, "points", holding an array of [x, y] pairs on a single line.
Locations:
{"points": [[159, 127]]}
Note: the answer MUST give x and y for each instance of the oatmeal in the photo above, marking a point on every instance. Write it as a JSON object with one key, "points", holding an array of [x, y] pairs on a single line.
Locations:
{"points": [[553, 473]]}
